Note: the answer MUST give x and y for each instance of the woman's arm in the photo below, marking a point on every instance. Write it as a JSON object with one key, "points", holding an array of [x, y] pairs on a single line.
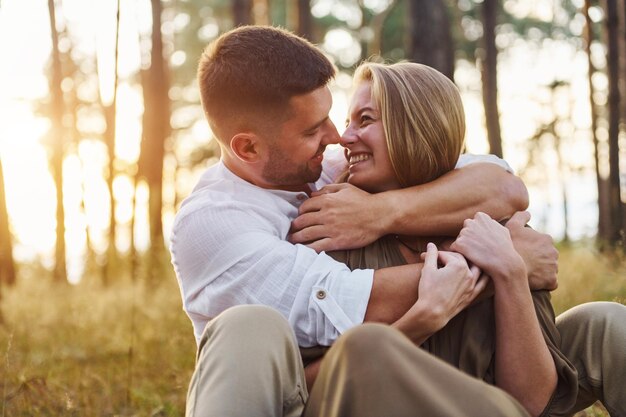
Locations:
{"points": [[524, 367]]}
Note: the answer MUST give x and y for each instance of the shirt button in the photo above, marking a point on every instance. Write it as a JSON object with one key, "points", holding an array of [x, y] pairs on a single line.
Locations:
{"points": [[301, 197], [321, 295]]}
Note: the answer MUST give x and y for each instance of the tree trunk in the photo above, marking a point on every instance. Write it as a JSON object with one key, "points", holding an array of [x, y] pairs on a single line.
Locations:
{"points": [[305, 20], [489, 74], [156, 130], [134, 259], [261, 12], [377, 24], [7, 265], [430, 40], [110, 117], [612, 28], [56, 116], [603, 202], [242, 12]]}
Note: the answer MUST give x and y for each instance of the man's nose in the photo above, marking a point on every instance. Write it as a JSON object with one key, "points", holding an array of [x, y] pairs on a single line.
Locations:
{"points": [[332, 136]]}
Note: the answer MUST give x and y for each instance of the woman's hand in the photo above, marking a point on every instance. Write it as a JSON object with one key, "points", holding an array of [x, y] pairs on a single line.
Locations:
{"points": [[488, 244], [444, 291], [448, 289]]}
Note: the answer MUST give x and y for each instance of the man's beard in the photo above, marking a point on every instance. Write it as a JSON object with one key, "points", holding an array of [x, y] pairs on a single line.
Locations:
{"points": [[281, 171]]}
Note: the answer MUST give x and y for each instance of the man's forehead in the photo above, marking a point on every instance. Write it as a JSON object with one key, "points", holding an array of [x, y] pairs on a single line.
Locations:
{"points": [[310, 108]]}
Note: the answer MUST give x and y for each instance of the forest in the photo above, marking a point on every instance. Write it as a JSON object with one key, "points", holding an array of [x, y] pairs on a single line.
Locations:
{"points": [[102, 136]]}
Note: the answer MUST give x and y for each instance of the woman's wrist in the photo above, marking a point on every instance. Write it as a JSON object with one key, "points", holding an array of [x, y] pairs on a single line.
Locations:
{"points": [[511, 270], [421, 321]]}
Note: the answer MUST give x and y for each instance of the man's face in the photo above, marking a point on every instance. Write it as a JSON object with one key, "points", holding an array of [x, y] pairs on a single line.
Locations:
{"points": [[295, 153]]}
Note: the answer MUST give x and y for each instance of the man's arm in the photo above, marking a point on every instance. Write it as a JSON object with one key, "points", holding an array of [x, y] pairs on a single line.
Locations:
{"points": [[446, 284], [341, 216], [538, 251]]}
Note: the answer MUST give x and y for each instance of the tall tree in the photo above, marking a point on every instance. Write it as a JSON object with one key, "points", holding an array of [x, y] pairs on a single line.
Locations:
{"points": [[242, 12], [57, 111], [489, 60], [110, 117], [617, 207], [305, 20], [7, 265], [430, 40], [261, 12], [601, 183], [156, 130]]}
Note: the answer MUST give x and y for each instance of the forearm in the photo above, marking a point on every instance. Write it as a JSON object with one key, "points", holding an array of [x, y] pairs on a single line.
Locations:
{"points": [[449, 200], [419, 323], [394, 291], [523, 364], [310, 373]]}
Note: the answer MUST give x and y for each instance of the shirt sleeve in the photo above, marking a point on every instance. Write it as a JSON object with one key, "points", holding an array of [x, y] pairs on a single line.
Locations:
{"points": [[468, 159], [228, 254]]}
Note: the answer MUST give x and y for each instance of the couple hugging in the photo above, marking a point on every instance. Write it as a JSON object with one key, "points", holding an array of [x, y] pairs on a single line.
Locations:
{"points": [[311, 274]]}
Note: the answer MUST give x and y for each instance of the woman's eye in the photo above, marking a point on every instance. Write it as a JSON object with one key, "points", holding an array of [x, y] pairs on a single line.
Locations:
{"points": [[365, 119]]}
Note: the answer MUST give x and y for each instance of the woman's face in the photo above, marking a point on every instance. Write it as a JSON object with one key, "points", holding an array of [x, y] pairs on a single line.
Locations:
{"points": [[365, 145]]}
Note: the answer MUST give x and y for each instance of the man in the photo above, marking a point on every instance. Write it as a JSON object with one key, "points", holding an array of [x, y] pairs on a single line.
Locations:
{"points": [[265, 96]]}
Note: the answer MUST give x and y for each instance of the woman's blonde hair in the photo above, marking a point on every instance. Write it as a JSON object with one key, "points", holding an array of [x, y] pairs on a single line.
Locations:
{"points": [[422, 116]]}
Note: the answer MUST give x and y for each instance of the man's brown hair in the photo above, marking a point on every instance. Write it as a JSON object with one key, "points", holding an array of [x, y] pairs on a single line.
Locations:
{"points": [[257, 69]]}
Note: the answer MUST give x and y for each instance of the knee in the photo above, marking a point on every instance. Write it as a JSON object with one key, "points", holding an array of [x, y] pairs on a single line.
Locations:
{"points": [[249, 316], [245, 322], [595, 316], [597, 311], [361, 341]]}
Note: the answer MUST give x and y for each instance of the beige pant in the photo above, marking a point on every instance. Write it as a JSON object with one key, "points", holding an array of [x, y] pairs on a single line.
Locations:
{"points": [[593, 337], [249, 365]]}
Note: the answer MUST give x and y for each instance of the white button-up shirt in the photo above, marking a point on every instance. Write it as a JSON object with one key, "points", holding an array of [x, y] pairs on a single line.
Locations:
{"points": [[228, 248]]}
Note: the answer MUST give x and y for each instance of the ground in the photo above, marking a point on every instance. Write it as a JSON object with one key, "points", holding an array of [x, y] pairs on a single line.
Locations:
{"points": [[128, 349]]}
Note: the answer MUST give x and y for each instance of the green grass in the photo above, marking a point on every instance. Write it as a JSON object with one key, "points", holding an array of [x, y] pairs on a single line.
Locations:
{"points": [[74, 350]]}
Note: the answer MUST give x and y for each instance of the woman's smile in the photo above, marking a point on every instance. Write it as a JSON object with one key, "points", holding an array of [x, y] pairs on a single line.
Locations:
{"points": [[360, 157]]}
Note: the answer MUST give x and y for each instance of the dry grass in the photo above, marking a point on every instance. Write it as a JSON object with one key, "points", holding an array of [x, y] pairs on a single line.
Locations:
{"points": [[66, 350], [586, 275], [72, 350]]}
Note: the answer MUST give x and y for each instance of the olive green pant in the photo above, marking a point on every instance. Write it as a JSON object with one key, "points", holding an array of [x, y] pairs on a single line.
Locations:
{"points": [[249, 365]]}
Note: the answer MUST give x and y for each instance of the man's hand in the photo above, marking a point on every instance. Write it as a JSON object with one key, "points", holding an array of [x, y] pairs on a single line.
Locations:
{"points": [[537, 250], [339, 216]]}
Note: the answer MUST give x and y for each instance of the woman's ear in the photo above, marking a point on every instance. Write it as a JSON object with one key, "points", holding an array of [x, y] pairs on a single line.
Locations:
{"points": [[246, 146]]}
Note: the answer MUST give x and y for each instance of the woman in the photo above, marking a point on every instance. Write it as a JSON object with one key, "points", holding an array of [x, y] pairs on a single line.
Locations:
{"points": [[406, 127]]}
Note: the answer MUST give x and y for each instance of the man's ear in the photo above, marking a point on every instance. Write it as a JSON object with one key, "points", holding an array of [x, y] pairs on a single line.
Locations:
{"points": [[246, 146]]}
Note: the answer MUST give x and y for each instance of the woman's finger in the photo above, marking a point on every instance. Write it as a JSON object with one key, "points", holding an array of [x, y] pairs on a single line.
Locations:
{"points": [[430, 259], [448, 257], [475, 271], [481, 284]]}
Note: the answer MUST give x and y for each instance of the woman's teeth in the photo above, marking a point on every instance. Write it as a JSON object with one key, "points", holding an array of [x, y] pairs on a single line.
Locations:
{"points": [[359, 158]]}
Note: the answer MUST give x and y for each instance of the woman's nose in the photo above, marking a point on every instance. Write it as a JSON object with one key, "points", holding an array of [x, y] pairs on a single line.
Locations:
{"points": [[348, 137]]}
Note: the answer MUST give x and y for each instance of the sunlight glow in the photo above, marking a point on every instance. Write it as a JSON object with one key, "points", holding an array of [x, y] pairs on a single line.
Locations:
{"points": [[525, 70]]}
